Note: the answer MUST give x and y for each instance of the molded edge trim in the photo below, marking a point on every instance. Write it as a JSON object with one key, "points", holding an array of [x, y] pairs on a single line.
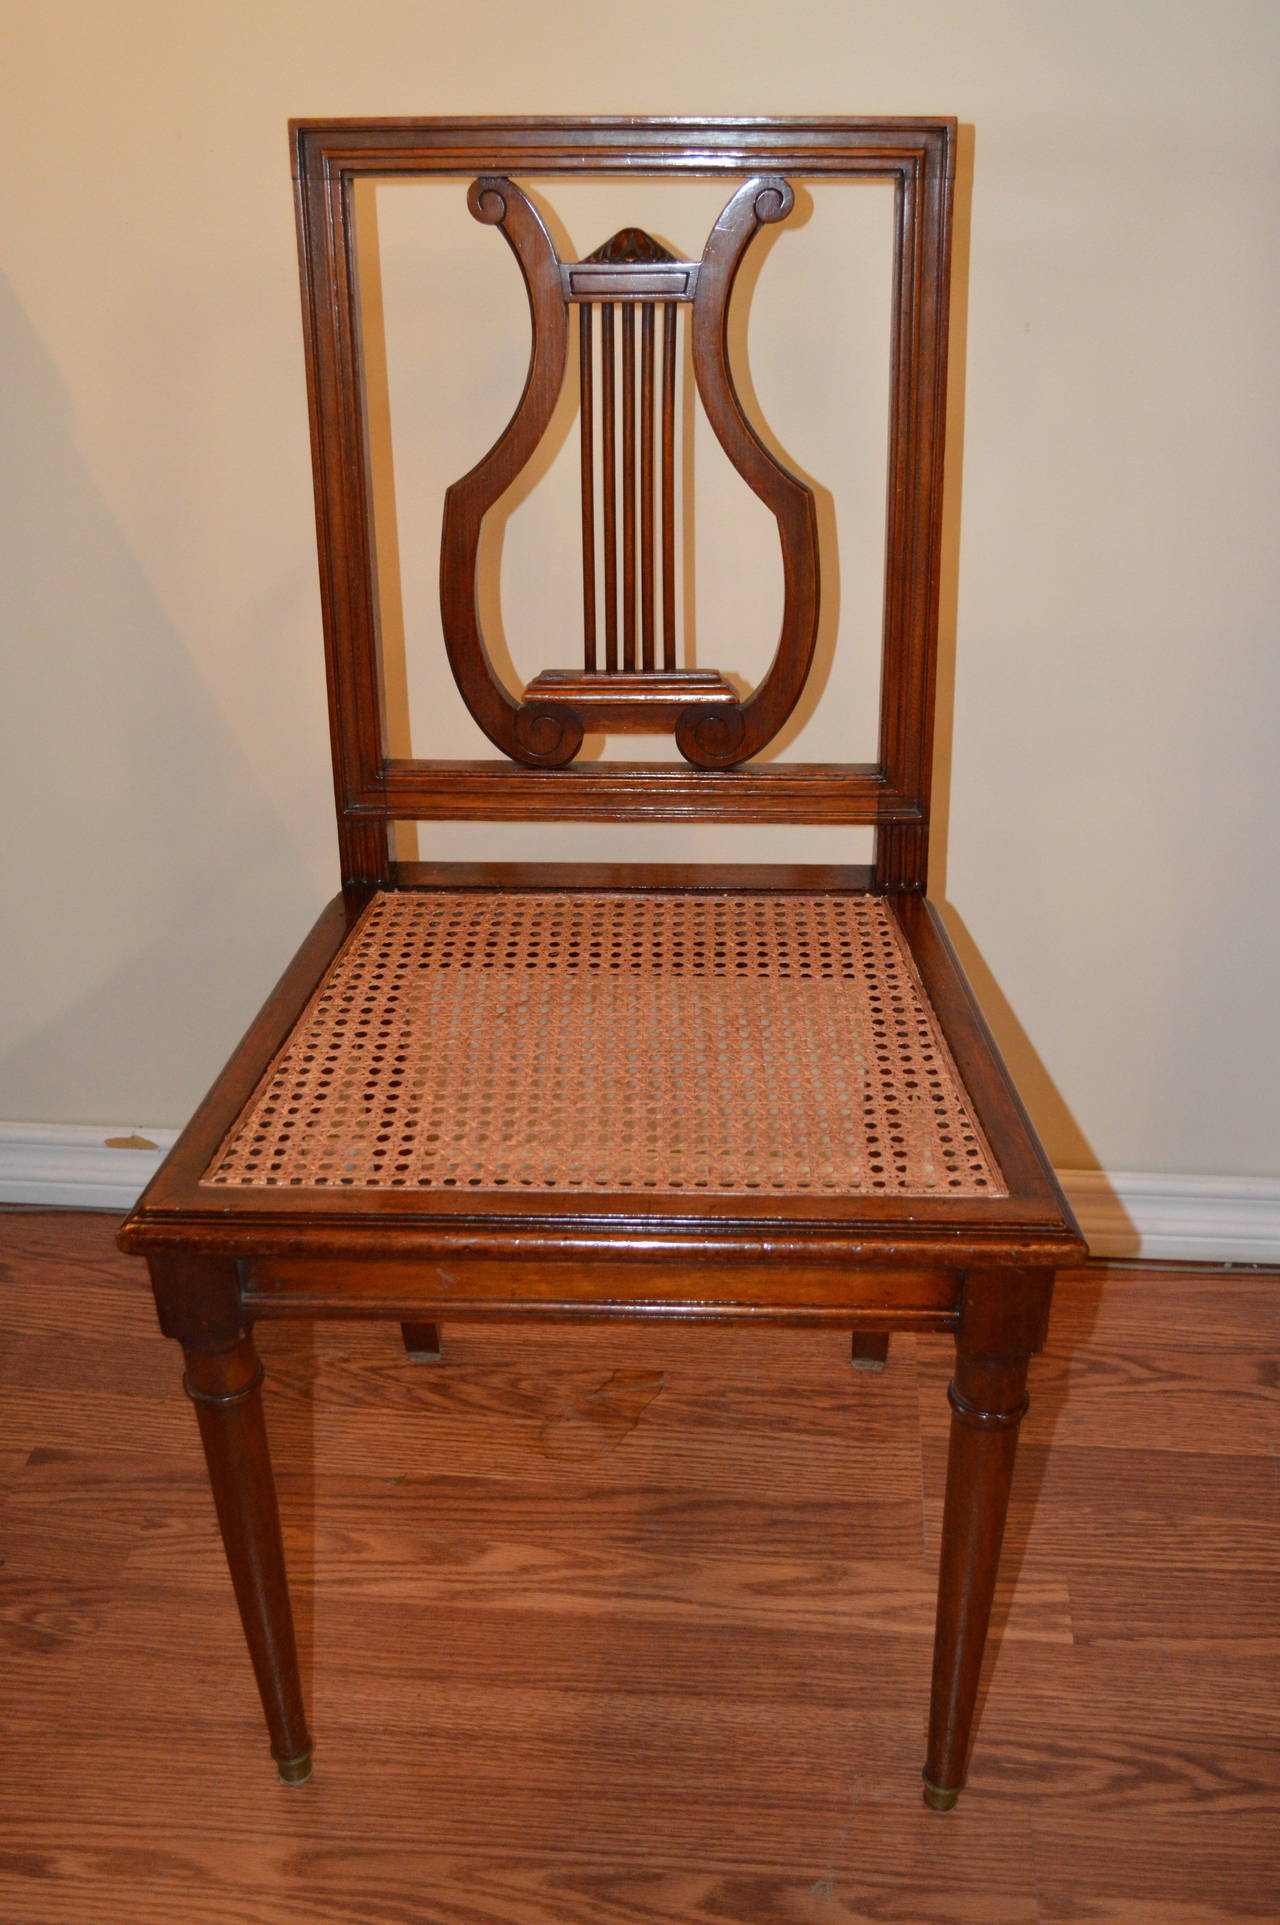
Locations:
{"points": [[1186, 1219]]}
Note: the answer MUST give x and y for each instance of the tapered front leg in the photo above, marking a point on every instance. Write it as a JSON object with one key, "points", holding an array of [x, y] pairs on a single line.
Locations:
{"points": [[225, 1385], [1002, 1324]]}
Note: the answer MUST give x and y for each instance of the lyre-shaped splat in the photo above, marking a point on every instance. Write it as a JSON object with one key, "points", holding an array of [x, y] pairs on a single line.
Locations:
{"points": [[629, 679]]}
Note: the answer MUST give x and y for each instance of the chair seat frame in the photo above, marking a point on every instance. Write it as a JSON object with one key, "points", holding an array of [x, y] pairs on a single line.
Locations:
{"points": [[980, 1268]]}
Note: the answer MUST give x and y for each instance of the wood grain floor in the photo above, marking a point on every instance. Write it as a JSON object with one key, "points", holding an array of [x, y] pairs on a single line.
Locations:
{"points": [[618, 1626]]}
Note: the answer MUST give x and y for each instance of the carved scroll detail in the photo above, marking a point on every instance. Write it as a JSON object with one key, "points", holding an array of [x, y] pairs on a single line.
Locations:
{"points": [[546, 729], [717, 738], [546, 735]]}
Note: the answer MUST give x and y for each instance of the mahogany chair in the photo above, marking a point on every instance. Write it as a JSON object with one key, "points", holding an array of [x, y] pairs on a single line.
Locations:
{"points": [[537, 1091]]}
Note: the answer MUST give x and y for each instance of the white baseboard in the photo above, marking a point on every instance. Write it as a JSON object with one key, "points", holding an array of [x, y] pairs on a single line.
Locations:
{"points": [[1184, 1219], [1190, 1219], [72, 1166]]}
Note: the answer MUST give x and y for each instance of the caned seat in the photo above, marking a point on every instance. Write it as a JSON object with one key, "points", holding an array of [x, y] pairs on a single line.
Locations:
{"points": [[761, 1093], [606, 1043]]}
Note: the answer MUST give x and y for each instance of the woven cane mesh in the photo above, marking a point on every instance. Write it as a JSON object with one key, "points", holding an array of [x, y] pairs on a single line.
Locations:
{"points": [[732, 1045]]}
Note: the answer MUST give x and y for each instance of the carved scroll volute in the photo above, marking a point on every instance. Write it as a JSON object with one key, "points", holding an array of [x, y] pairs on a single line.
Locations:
{"points": [[546, 734], [716, 737]]}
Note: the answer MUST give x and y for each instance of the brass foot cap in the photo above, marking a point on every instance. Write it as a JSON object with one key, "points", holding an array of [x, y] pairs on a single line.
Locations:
{"points": [[939, 1800], [295, 1771]]}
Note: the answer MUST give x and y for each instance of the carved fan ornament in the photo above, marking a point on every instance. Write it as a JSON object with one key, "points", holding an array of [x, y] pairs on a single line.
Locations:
{"points": [[631, 247], [629, 680]]}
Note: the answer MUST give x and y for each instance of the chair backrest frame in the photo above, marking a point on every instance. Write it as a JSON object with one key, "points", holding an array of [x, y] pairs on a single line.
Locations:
{"points": [[374, 789]]}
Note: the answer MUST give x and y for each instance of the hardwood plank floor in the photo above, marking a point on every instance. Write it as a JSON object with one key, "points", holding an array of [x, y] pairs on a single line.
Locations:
{"points": [[627, 1625]]}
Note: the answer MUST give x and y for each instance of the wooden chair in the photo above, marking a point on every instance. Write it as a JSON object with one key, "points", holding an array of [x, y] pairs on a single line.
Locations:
{"points": [[541, 1091]]}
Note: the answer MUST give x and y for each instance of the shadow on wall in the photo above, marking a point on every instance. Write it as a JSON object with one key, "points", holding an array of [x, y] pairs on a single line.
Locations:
{"points": [[1104, 1219], [150, 860], [1056, 1124]]}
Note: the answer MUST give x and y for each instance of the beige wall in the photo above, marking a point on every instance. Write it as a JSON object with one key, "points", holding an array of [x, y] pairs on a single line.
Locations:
{"points": [[1113, 596]]}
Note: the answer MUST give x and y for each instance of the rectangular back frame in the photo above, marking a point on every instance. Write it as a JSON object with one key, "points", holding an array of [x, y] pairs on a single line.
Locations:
{"points": [[373, 789]]}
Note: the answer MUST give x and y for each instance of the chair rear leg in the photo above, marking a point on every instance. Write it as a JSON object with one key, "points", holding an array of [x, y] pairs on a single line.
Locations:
{"points": [[225, 1385], [870, 1349], [422, 1341]]}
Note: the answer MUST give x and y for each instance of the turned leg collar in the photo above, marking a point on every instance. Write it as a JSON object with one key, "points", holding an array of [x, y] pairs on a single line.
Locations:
{"points": [[978, 1419], [226, 1399]]}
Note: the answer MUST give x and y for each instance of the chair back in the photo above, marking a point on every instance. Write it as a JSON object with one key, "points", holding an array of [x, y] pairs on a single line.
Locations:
{"points": [[630, 304]]}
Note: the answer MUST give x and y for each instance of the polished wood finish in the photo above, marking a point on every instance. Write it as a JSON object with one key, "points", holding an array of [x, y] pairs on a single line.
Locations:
{"points": [[680, 878], [609, 458], [375, 789], [630, 701], [629, 661], [545, 727], [735, 734], [641, 792], [226, 1388], [631, 1621], [545, 734], [648, 662], [1003, 1323], [668, 459], [977, 1270], [587, 489]]}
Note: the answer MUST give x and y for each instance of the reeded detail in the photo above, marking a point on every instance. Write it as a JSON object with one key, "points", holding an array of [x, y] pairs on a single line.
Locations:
{"points": [[727, 1045]]}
